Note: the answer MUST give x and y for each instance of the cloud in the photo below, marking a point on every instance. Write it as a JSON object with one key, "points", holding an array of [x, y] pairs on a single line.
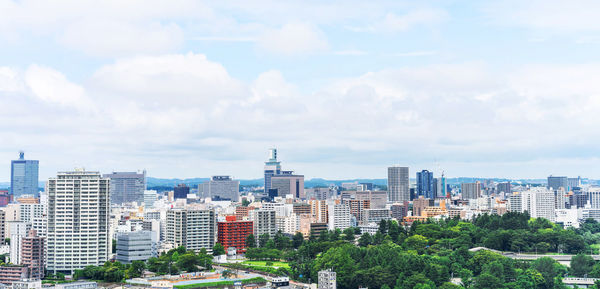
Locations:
{"points": [[391, 22], [553, 15], [351, 52], [113, 38], [51, 86], [293, 39]]}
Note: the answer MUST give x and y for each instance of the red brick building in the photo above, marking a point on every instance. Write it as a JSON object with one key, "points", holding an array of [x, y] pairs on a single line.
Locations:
{"points": [[232, 233], [32, 254]]}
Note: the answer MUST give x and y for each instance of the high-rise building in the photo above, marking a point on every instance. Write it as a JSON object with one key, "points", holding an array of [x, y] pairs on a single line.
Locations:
{"points": [[2, 227], [327, 279], [233, 233], [470, 191], [398, 184], [24, 176], [574, 182], [504, 188], [150, 196], [339, 216], [78, 214], [127, 187], [264, 222], [539, 202], [32, 254], [556, 183], [194, 228], [425, 184], [36, 214], [377, 199], [18, 231], [272, 168], [287, 183], [134, 246], [181, 191], [399, 211], [375, 215], [220, 188]]}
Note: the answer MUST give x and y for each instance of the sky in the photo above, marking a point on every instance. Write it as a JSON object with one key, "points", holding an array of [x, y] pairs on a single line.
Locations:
{"points": [[343, 89]]}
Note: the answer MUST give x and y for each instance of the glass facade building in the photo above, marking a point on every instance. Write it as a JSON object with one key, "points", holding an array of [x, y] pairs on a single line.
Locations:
{"points": [[24, 177]]}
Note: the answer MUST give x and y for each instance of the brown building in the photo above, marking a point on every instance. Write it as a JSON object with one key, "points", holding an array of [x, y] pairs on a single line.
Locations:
{"points": [[241, 212], [399, 211], [357, 207], [11, 273], [32, 254], [301, 208], [317, 228], [420, 204]]}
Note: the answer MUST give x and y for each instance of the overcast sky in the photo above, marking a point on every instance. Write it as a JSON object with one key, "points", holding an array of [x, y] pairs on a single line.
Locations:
{"points": [[342, 88]]}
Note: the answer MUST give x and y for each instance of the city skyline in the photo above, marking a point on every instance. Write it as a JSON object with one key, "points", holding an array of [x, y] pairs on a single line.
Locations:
{"points": [[343, 90]]}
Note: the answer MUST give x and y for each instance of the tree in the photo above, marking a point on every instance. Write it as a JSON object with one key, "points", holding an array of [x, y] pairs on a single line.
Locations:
{"points": [[250, 241], [349, 234], [297, 240], [245, 202], [114, 245], [365, 240], [581, 265], [136, 269], [226, 274], [218, 249], [415, 242], [263, 239], [281, 241], [549, 269], [487, 280]]}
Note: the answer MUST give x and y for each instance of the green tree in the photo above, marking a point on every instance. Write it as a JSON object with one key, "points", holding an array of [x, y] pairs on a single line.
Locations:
{"points": [[297, 240], [349, 234], [581, 265], [415, 242], [250, 241], [136, 269], [365, 240], [263, 239], [218, 249], [487, 281], [282, 242], [550, 269]]}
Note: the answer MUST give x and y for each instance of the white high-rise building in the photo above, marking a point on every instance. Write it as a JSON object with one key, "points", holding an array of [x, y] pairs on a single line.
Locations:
{"points": [[36, 214], [78, 214], [193, 228], [339, 216], [18, 231], [398, 184], [539, 202], [265, 222]]}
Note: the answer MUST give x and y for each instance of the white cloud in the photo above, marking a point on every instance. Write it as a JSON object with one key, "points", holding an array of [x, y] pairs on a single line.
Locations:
{"points": [[52, 86], [10, 80], [109, 38], [391, 22], [293, 39], [554, 15]]}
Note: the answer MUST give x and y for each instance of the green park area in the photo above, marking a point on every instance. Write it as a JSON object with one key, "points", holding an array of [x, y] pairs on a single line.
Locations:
{"points": [[273, 264]]}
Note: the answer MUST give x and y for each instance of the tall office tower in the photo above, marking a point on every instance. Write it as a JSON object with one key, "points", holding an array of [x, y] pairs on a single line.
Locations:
{"points": [[24, 176], [318, 210], [272, 168], [233, 233], [470, 191], [32, 254], [193, 228], [504, 188], [425, 184], [78, 214], [288, 184], [126, 187], [181, 191], [220, 188], [556, 183], [574, 182], [339, 216], [327, 279], [398, 184], [18, 231], [265, 222], [37, 215]]}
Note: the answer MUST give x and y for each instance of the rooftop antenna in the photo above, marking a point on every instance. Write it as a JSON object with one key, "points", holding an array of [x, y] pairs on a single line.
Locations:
{"points": [[21, 155]]}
